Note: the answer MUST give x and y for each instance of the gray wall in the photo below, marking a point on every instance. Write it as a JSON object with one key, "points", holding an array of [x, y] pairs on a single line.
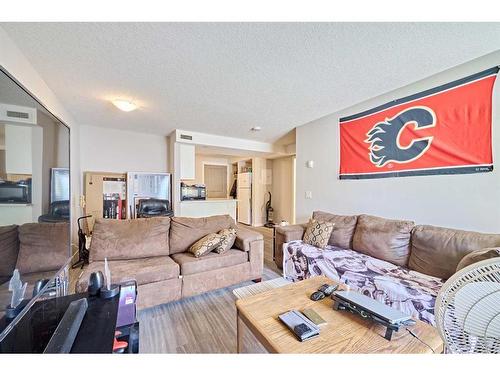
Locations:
{"points": [[459, 201]]}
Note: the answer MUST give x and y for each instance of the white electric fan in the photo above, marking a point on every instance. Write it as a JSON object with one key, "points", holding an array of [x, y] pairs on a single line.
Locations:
{"points": [[468, 309]]}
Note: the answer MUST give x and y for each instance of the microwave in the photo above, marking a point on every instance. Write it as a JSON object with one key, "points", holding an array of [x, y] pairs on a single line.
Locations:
{"points": [[193, 192], [15, 192]]}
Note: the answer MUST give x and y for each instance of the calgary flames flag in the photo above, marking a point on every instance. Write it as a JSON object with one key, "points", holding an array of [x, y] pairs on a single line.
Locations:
{"points": [[444, 130]]}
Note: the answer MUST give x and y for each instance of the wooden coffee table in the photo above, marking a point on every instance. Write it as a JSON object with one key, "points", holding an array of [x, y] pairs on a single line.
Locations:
{"points": [[344, 333]]}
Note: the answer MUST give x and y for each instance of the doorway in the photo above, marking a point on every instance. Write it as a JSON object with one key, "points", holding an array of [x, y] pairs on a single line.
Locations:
{"points": [[215, 179]]}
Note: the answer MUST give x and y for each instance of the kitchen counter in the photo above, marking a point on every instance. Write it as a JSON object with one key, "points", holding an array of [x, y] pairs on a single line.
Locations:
{"points": [[208, 207], [210, 200]]}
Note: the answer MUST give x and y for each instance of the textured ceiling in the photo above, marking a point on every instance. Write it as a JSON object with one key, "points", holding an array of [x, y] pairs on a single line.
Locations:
{"points": [[227, 78]]}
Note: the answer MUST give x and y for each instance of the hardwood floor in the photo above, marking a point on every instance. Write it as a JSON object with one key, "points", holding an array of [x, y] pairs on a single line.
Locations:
{"points": [[201, 324]]}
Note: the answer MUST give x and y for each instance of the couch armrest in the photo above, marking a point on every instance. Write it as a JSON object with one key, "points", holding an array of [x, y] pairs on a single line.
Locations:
{"points": [[245, 237], [291, 232], [253, 243], [283, 235]]}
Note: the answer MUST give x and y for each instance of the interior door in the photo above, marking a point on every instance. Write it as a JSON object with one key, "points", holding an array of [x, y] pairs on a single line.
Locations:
{"points": [[215, 178]]}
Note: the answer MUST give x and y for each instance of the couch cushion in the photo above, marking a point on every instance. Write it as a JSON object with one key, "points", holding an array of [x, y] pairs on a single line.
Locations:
{"points": [[383, 238], [343, 231], [477, 256], [437, 251], [9, 249], [185, 231], [212, 261], [144, 270], [129, 239], [43, 247]]}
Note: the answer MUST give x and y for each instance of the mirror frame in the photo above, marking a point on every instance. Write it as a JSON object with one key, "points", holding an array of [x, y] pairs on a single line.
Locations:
{"points": [[71, 254]]}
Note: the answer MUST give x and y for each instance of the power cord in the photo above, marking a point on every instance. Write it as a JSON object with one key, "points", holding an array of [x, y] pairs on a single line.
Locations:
{"points": [[419, 339]]}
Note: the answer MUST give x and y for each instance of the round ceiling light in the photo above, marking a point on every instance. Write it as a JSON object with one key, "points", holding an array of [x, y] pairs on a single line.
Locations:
{"points": [[124, 105]]}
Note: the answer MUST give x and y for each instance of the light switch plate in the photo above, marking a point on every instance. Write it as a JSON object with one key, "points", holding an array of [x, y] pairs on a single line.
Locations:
{"points": [[309, 194]]}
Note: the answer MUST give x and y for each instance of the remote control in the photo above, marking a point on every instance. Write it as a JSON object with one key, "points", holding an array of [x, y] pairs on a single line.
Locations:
{"points": [[316, 296], [328, 289]]}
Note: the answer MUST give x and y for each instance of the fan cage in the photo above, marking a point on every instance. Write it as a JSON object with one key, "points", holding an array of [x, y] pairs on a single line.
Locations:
{"points": [[449, 326]]}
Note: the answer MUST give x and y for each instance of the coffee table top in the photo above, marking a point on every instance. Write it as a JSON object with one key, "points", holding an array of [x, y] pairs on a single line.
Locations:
{"points": [[344, 333]]}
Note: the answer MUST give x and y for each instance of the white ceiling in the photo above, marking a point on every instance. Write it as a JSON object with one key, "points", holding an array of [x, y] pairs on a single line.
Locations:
{"points": [[226, 78]]}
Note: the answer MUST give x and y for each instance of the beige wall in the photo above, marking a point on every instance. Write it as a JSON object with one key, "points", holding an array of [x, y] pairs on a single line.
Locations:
{"points": [[283, 189], [112, 150]]}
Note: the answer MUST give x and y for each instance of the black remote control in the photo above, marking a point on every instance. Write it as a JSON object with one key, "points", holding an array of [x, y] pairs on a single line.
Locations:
{"points": [[328, 289], [316, 296]]}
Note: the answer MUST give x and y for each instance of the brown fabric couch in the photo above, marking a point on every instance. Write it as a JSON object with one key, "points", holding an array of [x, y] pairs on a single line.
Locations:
{"points": [[434, 251], [153, 251], [37, 250]]}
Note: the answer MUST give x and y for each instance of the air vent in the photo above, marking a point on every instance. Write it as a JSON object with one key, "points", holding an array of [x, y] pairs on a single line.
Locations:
{"points": [[187, 137], [15, 114], [21, 115]]}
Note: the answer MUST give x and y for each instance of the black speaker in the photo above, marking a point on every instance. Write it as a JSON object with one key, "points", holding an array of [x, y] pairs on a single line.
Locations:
{"points": [[96, 281], [39, 286]]}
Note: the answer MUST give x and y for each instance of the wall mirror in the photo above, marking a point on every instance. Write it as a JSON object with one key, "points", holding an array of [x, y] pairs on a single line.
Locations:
{"points": [[35, 244]]}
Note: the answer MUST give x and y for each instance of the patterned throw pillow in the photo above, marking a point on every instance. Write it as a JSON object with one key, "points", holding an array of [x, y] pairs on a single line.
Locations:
{"points": [[318, 233], [228, 241], [206, 244]]}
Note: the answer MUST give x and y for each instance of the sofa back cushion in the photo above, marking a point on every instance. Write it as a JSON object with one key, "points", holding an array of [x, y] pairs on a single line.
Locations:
{"points": [[437, 251], [478, 256], [384, 239], [130, 239], [343, 230], [43, 247], [185, 231], [9, 249]]}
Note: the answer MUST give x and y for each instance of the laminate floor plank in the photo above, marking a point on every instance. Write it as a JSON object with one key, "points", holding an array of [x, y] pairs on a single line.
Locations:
{"points": [[202, 324]]}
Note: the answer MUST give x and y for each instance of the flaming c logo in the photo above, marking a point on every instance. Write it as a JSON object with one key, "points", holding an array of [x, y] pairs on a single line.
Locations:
{"points": [[384, 137]]}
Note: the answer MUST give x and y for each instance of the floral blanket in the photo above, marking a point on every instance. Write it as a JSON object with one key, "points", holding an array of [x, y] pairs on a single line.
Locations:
{"points": [[403, 289]]}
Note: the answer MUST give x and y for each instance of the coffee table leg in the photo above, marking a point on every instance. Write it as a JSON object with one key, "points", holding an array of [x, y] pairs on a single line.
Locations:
{"points": [[239, 332]]}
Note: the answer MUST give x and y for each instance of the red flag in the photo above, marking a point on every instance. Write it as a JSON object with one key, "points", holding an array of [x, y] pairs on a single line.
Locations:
{"points": [[444, 130]]}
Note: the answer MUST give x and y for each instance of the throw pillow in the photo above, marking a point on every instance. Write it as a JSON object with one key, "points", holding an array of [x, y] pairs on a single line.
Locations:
{"points": [[206, 244], [318, 233], [477, 256], [228, 240]]}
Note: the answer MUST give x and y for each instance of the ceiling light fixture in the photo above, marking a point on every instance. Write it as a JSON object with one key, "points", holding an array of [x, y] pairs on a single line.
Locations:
{"points": [[256, 129], [124, 105]]}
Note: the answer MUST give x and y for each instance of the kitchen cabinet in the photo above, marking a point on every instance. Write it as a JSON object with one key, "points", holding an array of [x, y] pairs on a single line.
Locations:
{"points": [[187, 161]]}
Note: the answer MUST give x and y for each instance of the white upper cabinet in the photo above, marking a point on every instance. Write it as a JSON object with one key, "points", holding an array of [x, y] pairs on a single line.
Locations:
{"points": [[187, 161], [18, 149]]}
